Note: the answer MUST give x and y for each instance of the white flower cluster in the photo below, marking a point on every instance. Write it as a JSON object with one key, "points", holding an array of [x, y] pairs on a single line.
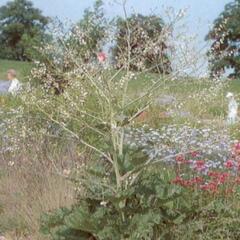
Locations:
{"points": [[212, 145]]}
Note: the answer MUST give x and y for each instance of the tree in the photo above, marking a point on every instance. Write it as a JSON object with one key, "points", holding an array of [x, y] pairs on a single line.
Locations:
{"points": [[90, 32], [21, 28], [70, 47], [144, 37], [225, 35]]}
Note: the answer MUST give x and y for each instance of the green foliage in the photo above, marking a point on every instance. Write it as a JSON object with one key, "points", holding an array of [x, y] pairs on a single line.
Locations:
{"points": [[22, 27], [217, 220], [142, 37], [225, 34], [140, 212], [147, 207]]}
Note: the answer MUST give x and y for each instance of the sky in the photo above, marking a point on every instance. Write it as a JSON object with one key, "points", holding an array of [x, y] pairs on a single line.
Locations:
{"points": [[199, 17], [200, 13]]}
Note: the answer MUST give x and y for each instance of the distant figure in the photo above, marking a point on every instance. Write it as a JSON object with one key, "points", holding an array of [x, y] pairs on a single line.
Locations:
{"points": [[232, 109], [15, 84]]}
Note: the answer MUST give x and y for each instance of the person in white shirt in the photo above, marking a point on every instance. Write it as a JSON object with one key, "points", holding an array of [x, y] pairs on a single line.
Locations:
{"points": [[15, 84], [232, 109]]}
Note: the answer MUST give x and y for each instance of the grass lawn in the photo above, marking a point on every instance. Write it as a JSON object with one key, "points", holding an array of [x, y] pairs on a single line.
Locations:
{"points": [[22, 68], [179, 89]]}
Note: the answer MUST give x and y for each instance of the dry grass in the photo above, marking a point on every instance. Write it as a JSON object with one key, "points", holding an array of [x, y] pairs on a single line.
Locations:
{"points": [[27, 190]]}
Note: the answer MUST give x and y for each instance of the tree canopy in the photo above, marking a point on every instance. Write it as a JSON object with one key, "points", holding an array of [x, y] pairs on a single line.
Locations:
{"points": [[225, 35], [22, 26], [145, 38], [90, 32]]}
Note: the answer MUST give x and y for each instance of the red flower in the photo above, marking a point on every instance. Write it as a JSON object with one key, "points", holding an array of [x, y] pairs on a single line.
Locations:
{"points": [[198, 180], [101, 57], [177, 180], [187, 183], [213, 174], [195, 181], [180, 159], [211, 187], [219, 177], [180, 181], [223, 177]]}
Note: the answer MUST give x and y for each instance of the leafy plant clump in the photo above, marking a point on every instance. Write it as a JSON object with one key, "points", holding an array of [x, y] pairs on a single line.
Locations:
{"points": [[149, 209]]}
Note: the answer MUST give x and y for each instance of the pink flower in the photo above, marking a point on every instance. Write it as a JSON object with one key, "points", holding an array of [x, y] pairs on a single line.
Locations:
{"points": [[200, 165], [101, 57], [194, 154], [237, 146], [236, 150], [229, 164], [238, 166]]}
